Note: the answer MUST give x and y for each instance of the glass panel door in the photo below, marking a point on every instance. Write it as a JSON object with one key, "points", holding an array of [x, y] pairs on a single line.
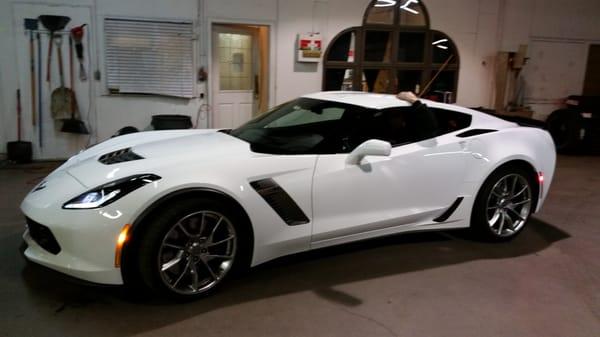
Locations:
{"points": [[235, 61]]}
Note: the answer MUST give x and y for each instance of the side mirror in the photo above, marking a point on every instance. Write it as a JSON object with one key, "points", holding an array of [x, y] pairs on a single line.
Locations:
{"points": [[372, 147]]}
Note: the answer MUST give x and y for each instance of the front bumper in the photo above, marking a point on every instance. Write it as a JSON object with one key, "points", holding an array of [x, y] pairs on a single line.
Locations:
{"points": [[86, 239], [70, 265]]}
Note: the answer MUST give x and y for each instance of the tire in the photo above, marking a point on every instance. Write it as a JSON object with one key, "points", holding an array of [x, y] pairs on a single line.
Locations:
{"points": [[565, 127], [192, 248], [504, 204]]}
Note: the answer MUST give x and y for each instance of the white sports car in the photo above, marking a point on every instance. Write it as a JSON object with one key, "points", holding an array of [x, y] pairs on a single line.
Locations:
{"points": [[178, 211]]}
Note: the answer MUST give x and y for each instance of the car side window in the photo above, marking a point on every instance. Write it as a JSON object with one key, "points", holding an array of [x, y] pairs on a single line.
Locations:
{"points": [[396, 126], [450, 121], [389, 125]]}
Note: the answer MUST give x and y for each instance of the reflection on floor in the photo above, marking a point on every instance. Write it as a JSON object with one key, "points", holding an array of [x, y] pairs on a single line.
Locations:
{"points": [[544, 283]]}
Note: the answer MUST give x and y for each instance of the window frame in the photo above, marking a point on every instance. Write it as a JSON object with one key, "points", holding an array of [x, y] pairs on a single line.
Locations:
{"points": [[427, 67], [158, 20]]}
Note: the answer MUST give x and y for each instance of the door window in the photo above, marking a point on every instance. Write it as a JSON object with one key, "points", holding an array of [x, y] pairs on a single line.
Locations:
{"points": [[389, 125], [235, 61], [399, 125]]}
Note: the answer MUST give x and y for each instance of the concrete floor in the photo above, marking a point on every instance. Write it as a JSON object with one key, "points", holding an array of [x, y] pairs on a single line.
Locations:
{"points": [[544, 283]]}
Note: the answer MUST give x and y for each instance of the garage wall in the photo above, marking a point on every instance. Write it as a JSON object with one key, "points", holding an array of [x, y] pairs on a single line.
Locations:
{"points": [[109, 112], [479, 28], [558, 33]]}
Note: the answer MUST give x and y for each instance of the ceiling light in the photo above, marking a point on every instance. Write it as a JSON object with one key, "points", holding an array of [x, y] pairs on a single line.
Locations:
{"points": [[385, 3], [408, 3]]}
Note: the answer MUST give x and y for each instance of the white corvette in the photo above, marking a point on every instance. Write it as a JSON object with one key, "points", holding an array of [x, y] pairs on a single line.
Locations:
{"points": [[178, 211]]}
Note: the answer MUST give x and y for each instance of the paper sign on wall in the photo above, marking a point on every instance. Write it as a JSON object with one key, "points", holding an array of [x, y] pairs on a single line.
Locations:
{"points": [[309, 47]]}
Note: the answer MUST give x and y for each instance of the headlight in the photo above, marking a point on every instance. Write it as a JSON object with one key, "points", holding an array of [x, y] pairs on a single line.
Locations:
{"points": [[109, 193]]}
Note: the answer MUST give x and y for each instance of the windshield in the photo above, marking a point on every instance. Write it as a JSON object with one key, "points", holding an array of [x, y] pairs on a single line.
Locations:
{"points": [[301, 126]]}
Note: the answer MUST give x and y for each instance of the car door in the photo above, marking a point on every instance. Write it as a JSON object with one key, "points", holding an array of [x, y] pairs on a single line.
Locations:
{"points": [[383, 195]]}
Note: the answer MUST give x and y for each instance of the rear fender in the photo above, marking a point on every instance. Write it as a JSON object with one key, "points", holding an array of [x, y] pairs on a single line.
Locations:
{"points": [[531, 145]]}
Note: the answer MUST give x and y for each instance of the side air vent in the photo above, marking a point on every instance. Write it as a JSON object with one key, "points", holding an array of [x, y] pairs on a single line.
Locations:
{"points": [[119, 156], [280, 201], [448, 212], [474, 132]]}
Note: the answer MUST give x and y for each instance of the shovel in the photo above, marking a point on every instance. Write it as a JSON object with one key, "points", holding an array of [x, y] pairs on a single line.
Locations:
{"points": [[19, 151], [73, 125], [63, 103], [62, 100], [52, 23]]}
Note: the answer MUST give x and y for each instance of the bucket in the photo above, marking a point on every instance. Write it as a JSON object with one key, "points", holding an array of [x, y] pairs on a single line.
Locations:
{"points": [[19, 152], [171, 122]]}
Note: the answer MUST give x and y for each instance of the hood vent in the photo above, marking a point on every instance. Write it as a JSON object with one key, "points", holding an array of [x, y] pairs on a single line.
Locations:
{"points": [[119, 156]]}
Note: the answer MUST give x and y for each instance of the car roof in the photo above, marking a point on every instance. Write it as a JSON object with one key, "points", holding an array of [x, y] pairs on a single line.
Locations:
{"points": [[385, 101], [372, 100], [364, 99]]}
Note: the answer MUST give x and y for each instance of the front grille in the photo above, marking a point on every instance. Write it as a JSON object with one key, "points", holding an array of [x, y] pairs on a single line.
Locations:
{"points": [[119, 156], [43, 236]]}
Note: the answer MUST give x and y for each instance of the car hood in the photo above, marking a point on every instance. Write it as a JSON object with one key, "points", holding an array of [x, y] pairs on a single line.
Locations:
{"points": [[157, 149]]}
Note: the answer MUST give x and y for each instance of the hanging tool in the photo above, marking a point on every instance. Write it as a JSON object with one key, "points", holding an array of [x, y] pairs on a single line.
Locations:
{"points": [[19, 151], [19, 115], [71, 76], [53, 23], [73, 125], [32, 70], [61, 101], [31, 25], [39, 78], [77, 35]]}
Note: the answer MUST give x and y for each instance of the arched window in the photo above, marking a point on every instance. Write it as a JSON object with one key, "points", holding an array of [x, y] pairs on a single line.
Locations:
{"points": [[393, 50]]}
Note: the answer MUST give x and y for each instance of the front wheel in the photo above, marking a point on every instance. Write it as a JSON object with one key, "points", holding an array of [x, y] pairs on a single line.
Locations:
{"points": [[191, 249], [503, 205]]}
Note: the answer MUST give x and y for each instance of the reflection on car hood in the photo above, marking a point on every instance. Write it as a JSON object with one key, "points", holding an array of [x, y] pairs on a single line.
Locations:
{"points": [[157, 149]]}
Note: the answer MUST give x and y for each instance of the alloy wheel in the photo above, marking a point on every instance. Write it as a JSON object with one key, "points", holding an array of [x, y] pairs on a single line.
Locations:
{"points": [[197, 252], [509, 205]]}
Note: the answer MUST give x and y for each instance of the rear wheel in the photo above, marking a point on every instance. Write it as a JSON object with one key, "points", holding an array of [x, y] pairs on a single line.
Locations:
{"points": [[565, 128], [503, 205], [192, 248]]}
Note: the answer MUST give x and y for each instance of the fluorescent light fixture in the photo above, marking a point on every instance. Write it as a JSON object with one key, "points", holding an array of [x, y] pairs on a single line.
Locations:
{"points": [[385, 3], [440, 41], [442, 47], [408, 3]]}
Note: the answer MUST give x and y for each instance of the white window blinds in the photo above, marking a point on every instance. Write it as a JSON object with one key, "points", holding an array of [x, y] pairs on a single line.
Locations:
{"points": [[149, 57]]}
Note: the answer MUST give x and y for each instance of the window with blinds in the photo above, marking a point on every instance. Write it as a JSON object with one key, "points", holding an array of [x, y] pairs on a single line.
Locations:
{"points": [[149, 57]]}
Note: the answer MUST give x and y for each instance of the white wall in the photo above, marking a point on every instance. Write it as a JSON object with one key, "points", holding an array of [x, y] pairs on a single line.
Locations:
{"points": [[480, 28], [105, 113], [558, 33]]}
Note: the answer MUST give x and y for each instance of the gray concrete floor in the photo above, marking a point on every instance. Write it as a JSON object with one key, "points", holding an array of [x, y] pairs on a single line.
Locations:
{"points": [[544, 283]]}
